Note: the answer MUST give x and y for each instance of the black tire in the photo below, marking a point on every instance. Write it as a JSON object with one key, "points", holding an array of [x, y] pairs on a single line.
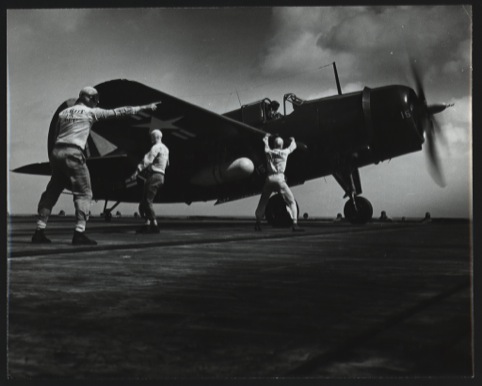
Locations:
{"points": [[277, 213], [108, 217], [363, 212]]}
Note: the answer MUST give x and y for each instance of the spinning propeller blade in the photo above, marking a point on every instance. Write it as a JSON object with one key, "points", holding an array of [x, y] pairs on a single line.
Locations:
{"points": [[431, 128]]}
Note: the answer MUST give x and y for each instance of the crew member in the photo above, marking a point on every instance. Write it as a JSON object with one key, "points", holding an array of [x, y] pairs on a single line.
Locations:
{"points": [[275, 180], [68, 161], [156, 162], [273, 110], [384, 217]]}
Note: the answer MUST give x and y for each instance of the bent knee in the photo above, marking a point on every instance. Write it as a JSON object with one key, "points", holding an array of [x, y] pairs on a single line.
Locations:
{"points": [[86, 195]]}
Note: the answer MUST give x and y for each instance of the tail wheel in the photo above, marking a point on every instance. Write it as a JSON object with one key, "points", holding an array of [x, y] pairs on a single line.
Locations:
{"points": [[277, 213], [358, 212]]}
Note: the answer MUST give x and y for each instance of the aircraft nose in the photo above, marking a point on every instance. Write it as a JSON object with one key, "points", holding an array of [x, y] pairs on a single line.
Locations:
{"points": [[412, 109]]}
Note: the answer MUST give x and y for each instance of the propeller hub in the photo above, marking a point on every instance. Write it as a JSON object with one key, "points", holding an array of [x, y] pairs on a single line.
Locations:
{"points": [[437, 108]]}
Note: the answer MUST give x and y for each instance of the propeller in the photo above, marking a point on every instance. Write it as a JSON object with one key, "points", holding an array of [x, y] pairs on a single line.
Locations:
{"points": [[430, 127]]}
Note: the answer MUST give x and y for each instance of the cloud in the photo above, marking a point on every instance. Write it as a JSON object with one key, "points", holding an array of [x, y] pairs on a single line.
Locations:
{"points": [[41, 20], [461, 61], [456, 125], [461, 111], [294, 46], [64, 20], [371, 42], [431, 31], [299, 54]]}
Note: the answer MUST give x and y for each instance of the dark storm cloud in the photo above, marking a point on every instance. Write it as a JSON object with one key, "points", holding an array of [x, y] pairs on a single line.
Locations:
{"points": [[369, 42], [431, 34]]}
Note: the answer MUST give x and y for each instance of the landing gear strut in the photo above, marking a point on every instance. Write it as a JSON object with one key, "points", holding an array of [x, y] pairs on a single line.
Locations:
{"points": [[358, 210]]}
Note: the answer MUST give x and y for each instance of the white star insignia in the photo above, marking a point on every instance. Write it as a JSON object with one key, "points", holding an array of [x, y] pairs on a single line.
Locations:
{"points": [[156, 123]]}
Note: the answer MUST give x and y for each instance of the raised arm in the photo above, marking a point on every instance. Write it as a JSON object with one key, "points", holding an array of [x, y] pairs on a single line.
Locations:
{"points": [[292, 146], [266, 143], [119, 112]]}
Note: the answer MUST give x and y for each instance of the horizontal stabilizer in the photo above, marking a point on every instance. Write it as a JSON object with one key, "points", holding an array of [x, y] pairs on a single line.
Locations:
{"points": [[39, 168], [43, 168], [109, 157]]}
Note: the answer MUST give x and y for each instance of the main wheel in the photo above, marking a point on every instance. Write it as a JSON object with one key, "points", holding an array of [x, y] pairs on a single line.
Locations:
{"points": [[359, 213], [108, 216], [277, 213]]}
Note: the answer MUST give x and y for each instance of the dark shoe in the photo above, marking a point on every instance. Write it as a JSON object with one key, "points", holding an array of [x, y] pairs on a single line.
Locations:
{"points": [[143, 229], [154, 229], [40, 238], [296, 228], [148, 229], [81, 239], [142, 212], [257, 226]]}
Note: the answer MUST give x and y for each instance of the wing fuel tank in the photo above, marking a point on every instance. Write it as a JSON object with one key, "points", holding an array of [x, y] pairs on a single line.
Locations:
{"points": [[231, 171]]}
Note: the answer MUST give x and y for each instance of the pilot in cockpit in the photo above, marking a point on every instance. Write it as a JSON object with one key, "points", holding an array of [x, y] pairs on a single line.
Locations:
{"points": [[272, 112]]}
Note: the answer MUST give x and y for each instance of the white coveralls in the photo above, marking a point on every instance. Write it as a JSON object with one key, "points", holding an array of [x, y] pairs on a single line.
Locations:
{"points": [[156, 162], [69, 168], [275, 181]]}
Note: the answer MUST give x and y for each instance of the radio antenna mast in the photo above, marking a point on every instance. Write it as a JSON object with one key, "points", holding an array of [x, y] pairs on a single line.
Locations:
{"points": [[337, 79]]}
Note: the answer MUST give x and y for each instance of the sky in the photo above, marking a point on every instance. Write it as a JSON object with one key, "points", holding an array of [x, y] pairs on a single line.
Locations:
{"points": [[218, 58]]}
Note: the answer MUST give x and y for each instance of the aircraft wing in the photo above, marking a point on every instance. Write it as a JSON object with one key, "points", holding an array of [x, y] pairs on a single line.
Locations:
{"points": [[208, 152], [180, 121]]}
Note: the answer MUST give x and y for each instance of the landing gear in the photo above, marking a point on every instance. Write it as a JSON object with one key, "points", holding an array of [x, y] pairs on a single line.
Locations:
{"points": [[358, 210], [277, 214], [108, 212], [107, 216]]}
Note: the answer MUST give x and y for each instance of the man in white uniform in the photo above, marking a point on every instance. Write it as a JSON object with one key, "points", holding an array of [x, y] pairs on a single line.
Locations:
{"points": [[68, 163], [156, 162], [275, 180]]}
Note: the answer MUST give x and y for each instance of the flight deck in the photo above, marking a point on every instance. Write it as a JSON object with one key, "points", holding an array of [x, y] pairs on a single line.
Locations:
{"points": [[213, 299]]}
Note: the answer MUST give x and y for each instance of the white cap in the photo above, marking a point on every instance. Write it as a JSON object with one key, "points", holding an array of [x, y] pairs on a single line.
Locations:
{"points": [[278, 142], [90, 91]]}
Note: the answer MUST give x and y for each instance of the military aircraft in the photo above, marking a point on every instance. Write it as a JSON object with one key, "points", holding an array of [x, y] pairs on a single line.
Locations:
{"points": [[221, 157]]}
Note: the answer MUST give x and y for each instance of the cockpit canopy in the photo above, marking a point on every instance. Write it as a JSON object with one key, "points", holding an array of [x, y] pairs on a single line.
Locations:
{"points": [[293, 103], [264, 110]]}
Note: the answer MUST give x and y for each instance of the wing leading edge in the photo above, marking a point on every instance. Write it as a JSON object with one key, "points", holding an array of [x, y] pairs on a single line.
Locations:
{"points": [[179, 120]]}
